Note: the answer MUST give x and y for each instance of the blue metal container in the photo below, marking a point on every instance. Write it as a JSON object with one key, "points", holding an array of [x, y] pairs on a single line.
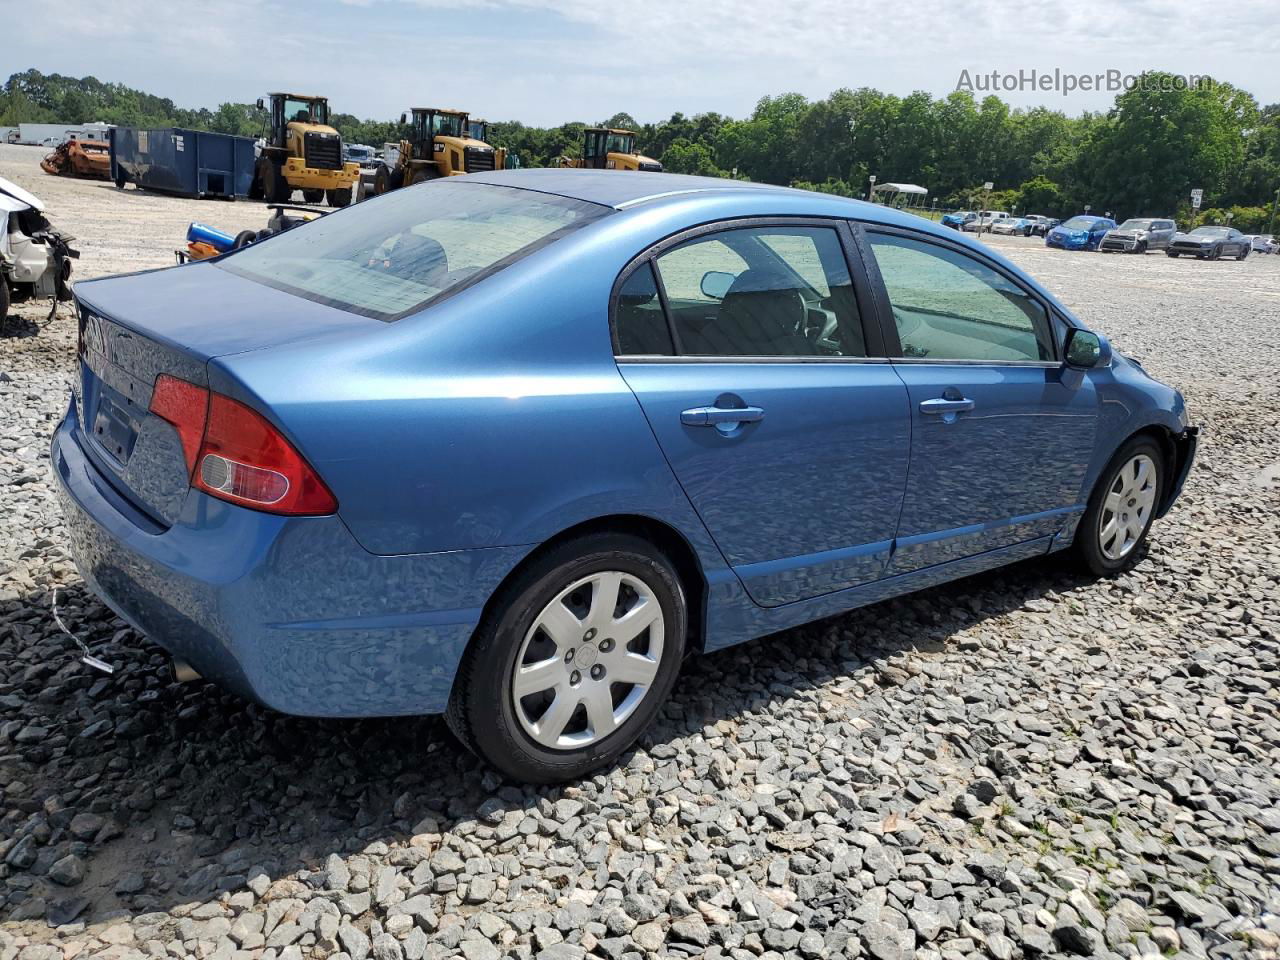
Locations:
{"points": [[192, 163], [203, 233]]}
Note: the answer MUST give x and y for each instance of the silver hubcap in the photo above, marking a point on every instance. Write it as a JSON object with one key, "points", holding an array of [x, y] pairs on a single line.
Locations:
{"points": [[1127, 508], [588, 661]]}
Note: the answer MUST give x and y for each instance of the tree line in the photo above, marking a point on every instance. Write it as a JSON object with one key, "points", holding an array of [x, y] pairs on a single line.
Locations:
{"points": [[1142, 157]]}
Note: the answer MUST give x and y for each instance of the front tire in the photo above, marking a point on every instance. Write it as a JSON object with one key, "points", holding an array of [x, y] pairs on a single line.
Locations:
{"points": [[1121, 509], [313, 196], [339, 198], [578, 654]]}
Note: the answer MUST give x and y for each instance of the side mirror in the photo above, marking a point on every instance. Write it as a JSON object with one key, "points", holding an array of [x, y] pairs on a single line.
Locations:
{"points": [[260, 105], [1086, 349], [716, 283]]}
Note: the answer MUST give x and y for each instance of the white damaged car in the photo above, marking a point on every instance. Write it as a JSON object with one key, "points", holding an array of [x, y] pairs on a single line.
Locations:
{"points": [[35, 259]]}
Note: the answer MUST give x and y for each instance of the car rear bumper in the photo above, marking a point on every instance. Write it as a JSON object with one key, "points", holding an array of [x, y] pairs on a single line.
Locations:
{"points": [[288, 611]]}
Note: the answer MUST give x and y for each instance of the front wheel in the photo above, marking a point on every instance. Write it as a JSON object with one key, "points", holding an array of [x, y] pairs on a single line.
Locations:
{"points": [[1142, 247], [1172, 253], [313, 196], [582, 649], [339, 198], [1243, 253], [1121, 509]]}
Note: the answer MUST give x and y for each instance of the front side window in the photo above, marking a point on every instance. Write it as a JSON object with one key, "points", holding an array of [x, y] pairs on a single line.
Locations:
{"points": [[762, 292], [393, 255], [949, 306]]}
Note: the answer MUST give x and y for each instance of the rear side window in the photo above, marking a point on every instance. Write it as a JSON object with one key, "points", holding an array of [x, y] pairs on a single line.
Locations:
{"points": [[639, 321], [393, 255], [769, 291], [948, 305]]}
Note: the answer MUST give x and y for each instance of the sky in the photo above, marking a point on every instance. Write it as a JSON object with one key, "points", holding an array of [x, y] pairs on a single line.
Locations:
{"points": [[547, 62]]}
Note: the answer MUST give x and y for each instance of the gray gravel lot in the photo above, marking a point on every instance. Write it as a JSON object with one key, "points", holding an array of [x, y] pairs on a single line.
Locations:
{"points": [[1021, 764]]}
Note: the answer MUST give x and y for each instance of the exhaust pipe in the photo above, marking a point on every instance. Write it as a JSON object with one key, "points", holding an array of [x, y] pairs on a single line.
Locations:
{"points": [[183, 672]]}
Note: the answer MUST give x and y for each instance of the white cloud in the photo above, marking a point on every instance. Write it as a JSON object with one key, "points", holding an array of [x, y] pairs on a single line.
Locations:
{"points": [[547, 61]]}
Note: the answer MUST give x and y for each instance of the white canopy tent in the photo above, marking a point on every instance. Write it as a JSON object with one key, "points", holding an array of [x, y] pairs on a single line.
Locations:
{"points": [[897, 193]]}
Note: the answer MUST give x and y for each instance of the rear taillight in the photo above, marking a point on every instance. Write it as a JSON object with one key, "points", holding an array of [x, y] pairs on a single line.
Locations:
{"points": [[235, 454]]}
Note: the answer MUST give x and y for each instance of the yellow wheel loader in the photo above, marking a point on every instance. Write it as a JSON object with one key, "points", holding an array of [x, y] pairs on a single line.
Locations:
{"points": [[605, 148], [439, 145], [300, 151]]}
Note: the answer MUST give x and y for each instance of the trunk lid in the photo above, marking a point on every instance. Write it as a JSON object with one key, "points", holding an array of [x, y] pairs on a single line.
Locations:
{"points": [[135, 327]]}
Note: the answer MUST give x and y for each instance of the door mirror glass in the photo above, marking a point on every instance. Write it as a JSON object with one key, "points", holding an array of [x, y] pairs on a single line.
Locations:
{"points": [[1084, 349], [716, 283]]}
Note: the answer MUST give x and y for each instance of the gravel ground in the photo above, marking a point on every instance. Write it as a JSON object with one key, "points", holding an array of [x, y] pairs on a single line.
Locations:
{"points": [[1021, 764]]}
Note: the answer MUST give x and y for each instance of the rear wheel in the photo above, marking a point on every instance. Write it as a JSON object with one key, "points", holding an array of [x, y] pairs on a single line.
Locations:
{"points": [[1121, 509], [570, 668], [1172, 253], [4, 300], [313, 196], [339, 198]]}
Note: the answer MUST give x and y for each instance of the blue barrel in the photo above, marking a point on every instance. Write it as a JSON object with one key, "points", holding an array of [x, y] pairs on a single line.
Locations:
{"points": [[191, 163], [203, 233]]}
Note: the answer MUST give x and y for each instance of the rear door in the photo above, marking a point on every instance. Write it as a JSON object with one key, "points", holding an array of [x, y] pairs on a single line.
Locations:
{"points": [[753, 349], [1002, 431]]}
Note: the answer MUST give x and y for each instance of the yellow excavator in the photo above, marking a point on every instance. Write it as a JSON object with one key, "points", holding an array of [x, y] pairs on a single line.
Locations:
{"points": [[300, 151], [607, 148], [440, 144]]}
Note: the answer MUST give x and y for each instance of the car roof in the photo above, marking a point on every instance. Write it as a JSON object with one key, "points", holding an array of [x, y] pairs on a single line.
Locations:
{"points": [[629, 189], [615, 188]]}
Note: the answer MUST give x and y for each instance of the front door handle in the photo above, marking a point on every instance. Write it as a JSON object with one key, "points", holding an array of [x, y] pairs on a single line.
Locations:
{"points": [[944, 405], [713, 416]]}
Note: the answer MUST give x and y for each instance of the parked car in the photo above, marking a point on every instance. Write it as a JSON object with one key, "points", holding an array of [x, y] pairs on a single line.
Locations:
{"points": [[1010, 226], [1210, 243], [1139, 235], [1264, 243], [1040, 224], [488, 458], [35, 257], [958, 219], [984, 221], [360, 153], [1079, 233]]}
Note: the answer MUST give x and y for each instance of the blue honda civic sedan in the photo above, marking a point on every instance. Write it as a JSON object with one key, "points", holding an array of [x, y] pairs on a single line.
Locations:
{"points": [[1079, 233], [509, 446]]}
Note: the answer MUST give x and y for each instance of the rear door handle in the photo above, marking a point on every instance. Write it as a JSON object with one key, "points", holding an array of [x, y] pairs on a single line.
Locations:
{"points": [[711, 416], [942, 405]]}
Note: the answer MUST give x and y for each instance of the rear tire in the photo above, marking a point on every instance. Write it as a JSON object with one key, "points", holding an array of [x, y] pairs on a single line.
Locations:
{"points": [[1172, 253], [573, 717], [339, 198], [313, 196], [1122, 507]]}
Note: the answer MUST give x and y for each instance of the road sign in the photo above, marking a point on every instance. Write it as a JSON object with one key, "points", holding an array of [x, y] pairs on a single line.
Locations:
{"points": [[1196, 196], [988, 185]]}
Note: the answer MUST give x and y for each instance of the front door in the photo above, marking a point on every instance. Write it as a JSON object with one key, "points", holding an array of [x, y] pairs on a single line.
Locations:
{"points": [[1002, 431], [750, 361]]}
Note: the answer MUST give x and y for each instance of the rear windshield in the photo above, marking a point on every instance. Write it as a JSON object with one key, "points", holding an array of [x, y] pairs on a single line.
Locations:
{"points": [[1080, 223], [393, 255]]}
